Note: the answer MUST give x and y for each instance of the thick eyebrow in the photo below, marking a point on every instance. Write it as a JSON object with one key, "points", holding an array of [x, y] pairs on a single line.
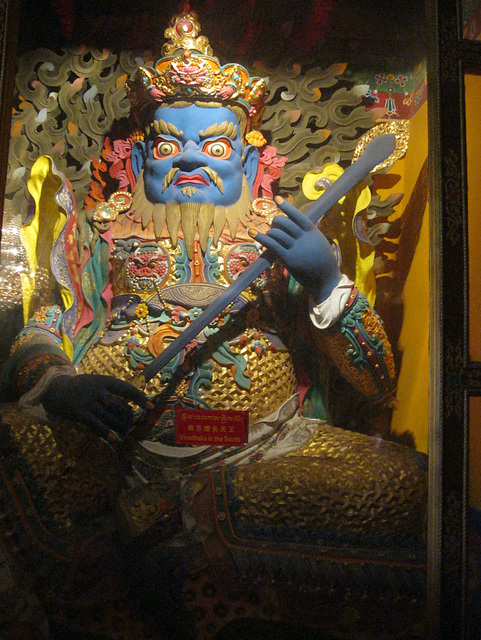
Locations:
{"points": [[167, 127], [228, 129]]}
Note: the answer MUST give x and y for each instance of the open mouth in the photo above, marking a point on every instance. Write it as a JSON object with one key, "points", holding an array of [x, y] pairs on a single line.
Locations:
{"points": [[193, 179]]}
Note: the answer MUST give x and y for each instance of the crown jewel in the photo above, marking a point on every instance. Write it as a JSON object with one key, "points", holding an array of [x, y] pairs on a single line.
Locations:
{"points": [[188, 70]]}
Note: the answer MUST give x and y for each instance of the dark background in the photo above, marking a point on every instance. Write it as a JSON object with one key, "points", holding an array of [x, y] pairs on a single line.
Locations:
{"points": [[255, 28]]}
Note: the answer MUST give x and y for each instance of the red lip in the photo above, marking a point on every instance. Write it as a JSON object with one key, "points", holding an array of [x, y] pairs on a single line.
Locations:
{"points": [[194, 179]]}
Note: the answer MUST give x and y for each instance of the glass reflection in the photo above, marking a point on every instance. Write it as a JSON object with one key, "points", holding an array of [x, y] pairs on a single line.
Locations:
{"points": [[472, 19], [473, 147]]}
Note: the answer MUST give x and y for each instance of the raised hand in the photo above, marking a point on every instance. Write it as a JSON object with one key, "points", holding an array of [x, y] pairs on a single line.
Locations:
{"points": [[303, 250], [100, 402]]}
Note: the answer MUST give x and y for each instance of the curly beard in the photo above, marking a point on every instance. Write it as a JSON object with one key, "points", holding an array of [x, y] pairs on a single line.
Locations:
{"points": [[190, 217]]}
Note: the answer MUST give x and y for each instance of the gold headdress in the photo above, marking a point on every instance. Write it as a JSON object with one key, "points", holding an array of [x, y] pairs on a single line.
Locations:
{"points": [[188, 71]]}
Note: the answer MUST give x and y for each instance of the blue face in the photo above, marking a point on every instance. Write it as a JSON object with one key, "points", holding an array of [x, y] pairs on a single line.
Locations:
{"points": [[204, 148]]}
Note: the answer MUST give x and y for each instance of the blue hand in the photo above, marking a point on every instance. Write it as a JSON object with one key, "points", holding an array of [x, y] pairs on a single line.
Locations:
{"points": [[304, 251], [98, 401]]}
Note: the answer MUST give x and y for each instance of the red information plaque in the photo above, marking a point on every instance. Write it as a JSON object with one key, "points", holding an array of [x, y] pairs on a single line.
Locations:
{"points": [[208, 427]]}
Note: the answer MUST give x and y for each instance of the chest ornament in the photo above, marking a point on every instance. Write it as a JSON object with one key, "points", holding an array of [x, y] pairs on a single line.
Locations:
{"points": [[239, 258], [148, 267]]}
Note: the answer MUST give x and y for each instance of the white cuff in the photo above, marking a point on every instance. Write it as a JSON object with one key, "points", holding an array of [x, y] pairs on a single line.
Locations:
{"points": [[327, 313], [32, 399]]}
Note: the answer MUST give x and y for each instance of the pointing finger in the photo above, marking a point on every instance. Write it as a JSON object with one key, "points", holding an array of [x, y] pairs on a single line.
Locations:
{"points": [[287, 225], [294, 214], [271, 242]]}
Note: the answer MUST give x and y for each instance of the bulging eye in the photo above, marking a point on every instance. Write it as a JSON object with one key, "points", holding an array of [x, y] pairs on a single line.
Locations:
{"points": [[218, 148], [165, 148]]}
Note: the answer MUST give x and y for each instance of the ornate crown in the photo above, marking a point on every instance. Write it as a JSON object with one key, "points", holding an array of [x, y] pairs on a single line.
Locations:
{"points": [[188, 70]]}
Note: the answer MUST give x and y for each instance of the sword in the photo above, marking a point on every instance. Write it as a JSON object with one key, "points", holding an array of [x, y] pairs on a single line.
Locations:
{"points": [[375, 153]]}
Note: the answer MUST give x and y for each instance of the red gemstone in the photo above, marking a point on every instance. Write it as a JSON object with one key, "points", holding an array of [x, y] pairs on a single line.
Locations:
{"points": [[184, 26]]}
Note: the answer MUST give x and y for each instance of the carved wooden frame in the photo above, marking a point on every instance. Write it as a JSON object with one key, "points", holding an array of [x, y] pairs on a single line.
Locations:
{"points": [[9, 21], [453, 377]]}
